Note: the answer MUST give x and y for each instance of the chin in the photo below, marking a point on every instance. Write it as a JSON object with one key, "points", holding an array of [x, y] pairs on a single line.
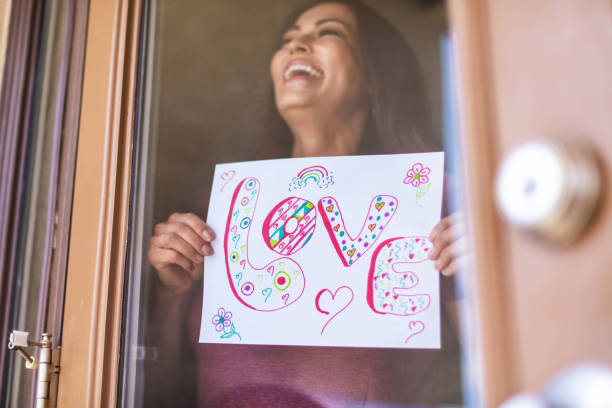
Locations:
{"points": [[295, 102]]}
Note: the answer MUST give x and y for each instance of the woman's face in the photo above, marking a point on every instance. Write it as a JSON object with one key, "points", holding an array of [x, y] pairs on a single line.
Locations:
{"points": [[320, 64]]}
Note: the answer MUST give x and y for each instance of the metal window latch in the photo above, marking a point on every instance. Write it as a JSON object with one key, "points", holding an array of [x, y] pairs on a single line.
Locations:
{"points": [[47, 369]]}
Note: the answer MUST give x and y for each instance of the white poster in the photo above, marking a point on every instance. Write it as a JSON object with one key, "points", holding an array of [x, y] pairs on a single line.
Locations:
{"points": [[327, 251]]}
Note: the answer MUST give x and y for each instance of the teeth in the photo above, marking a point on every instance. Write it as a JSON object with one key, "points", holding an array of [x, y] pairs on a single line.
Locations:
{"points": [[304, 68]]}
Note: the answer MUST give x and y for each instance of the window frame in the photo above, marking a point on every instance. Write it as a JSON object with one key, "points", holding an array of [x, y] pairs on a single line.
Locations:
{"points": [[94, 284]]}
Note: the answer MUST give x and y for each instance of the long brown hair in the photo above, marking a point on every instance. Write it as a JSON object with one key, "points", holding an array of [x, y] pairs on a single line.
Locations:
{"points": [[401, 118]]}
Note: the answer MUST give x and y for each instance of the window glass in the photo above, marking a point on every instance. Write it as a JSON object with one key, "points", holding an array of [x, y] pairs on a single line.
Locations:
{"points": [[206, 96]]}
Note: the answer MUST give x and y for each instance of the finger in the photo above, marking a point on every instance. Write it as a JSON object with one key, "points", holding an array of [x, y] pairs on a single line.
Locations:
{"points": [[207, 249], [161, 258], [450, 252], [444, 223], [196, 272], [445, 238], [172, 240], [172, 269], [184, 231], [195, 222], [208, 233], [455, 266]]}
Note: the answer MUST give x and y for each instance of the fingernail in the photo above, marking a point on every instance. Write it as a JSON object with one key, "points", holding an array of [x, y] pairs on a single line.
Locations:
{"points": [[437, 265], [207, 250], [206, 235], [199, 258]]}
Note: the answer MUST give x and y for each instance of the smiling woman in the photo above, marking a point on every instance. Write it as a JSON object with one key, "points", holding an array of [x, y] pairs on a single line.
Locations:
{"points": [[345, 82], [319, 72]]}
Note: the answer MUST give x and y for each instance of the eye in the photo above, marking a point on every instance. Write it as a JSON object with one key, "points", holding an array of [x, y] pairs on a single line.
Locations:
{"points": [[329, 31]]}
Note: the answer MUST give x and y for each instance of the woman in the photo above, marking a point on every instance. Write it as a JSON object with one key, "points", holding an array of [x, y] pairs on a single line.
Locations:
{"points": [[345, 82]]}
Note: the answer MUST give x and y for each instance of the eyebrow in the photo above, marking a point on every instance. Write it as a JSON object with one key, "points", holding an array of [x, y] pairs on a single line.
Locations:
{"points": [[323, 21], [337, 20]]}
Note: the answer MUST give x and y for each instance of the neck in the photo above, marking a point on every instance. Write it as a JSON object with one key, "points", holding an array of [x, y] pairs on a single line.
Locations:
{"points": [[315, 137]]}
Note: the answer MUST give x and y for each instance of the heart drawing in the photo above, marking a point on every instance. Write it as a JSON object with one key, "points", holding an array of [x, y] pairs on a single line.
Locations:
{"points": [[227, 176], [333, 304], [415, 327]]}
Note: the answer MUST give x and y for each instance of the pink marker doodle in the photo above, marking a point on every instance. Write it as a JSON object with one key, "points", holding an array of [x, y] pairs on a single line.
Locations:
{"points": [[389, 281], [417, 175], [227, 176], [335, 303], [289, 225], [274, 286], [414, 327], [350, 250]]}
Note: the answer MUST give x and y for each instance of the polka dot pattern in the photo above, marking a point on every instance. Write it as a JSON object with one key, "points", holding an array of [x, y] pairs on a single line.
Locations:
{"points": [[350, 250]]}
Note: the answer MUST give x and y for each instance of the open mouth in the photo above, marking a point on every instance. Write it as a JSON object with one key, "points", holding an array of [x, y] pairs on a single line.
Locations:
{"points": [[301, 70]]}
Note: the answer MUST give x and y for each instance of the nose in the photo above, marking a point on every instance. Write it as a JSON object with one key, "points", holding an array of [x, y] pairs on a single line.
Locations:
{"points": [[300, 43]]}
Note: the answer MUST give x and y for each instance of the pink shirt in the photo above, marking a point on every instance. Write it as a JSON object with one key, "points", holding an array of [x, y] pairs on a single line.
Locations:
{"points": [[294, 376]]}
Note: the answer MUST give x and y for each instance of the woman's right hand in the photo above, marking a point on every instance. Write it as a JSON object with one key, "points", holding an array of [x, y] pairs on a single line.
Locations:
{"points": [[177, 250]]}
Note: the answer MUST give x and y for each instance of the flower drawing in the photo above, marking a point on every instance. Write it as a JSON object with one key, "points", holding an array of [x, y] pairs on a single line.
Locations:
{"points": [[222, 319], [417, 175]]}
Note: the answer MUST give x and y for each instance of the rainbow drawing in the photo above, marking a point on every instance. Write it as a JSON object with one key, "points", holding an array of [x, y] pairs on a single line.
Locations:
{"points": [[314, 173], [317, 175]]}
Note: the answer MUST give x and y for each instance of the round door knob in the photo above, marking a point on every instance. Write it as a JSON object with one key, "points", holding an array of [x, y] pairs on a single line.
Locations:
{"points": [[549, 188], [583, 385]]}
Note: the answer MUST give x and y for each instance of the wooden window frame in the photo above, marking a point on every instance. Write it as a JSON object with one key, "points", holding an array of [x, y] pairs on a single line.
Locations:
{"points": [[486, 340], [91, 330]]}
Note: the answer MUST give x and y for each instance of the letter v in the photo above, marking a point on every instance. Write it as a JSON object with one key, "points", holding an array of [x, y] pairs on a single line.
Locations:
{"points": [[350, 250]]}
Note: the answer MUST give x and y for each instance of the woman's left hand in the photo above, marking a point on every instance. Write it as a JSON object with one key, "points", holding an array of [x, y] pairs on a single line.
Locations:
{"points": [[450, 244]]}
